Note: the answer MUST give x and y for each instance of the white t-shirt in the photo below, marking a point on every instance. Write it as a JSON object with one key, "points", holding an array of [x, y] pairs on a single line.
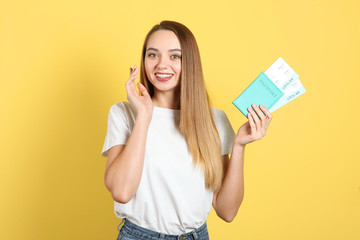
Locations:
{"points": [[171, 197]]}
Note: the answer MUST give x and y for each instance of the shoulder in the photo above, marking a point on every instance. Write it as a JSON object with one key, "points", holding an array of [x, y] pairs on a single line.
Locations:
{"points": [[220, 118], [122, 110], [218, 113], [121, 107]]}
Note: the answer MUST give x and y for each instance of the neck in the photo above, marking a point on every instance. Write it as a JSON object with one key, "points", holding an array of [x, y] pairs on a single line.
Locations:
{"points": [[166, 100]]}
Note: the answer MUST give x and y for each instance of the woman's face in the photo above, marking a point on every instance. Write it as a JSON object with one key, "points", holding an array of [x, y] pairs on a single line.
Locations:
{"points": [[163, 60]]}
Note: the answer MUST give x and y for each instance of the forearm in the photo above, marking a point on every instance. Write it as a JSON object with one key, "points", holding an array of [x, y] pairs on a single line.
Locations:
{"points": [[124, 175], [231, 193]]}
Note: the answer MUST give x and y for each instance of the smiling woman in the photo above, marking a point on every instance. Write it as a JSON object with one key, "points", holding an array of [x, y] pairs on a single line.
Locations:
{"points": [[163, 64], [185, 88], [168, 149]]}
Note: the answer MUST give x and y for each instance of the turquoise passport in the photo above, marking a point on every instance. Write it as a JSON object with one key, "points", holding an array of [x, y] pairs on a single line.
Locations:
{"points": [[261, 91]]}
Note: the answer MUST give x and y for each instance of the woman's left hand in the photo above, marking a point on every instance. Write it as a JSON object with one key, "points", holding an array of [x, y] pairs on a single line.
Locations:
{"points": [[255, 128]]}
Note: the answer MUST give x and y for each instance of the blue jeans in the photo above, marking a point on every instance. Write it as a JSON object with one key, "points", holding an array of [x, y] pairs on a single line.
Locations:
{"points": [[130, 231]]}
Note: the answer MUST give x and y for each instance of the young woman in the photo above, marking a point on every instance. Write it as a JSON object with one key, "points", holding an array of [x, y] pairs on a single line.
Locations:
{"points": [[167, 148]]}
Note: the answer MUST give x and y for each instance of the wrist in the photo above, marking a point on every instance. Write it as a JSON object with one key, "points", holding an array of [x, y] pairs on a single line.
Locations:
{"points": [[238, 145], [143, 118]]}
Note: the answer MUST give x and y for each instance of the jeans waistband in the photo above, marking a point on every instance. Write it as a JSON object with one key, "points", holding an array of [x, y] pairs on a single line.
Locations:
{"points": [[144, 233]]}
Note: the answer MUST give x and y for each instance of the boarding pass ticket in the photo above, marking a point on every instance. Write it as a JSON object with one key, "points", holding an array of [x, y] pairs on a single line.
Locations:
{"points": [[287, 80]]}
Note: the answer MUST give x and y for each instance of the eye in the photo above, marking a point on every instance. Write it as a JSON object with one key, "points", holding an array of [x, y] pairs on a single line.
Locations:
{"points": [[176, 56], [151, 55]]}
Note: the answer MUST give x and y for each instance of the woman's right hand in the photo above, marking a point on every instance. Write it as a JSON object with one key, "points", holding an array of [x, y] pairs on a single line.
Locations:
{"points": [[142, 103]]}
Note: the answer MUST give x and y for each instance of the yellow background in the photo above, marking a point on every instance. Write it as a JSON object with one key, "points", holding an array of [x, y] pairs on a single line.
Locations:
{"points": [[64, 63]]}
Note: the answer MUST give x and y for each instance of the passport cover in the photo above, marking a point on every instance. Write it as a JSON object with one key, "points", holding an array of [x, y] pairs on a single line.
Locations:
{"points": [[261, 91]]}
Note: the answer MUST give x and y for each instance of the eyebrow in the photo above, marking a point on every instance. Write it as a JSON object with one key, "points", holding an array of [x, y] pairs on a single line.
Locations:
{"points": [[157, 50]]}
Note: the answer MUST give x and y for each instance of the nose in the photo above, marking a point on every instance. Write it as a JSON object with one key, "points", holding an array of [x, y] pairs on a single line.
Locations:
{"points": [[163, 63]]}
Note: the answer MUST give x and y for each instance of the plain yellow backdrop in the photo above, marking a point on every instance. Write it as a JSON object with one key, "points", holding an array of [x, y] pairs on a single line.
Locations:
{"points": [[64, 63]]}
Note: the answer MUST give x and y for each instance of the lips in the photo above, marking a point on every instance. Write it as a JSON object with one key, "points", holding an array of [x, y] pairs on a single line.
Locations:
{"points": [[163, 77]]}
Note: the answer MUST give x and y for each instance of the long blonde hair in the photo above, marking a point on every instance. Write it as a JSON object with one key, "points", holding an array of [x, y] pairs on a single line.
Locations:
{"points": [[196, 118]]}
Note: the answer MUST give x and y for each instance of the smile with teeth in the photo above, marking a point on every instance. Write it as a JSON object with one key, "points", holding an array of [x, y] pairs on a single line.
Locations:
{"points": [[163, 75]]}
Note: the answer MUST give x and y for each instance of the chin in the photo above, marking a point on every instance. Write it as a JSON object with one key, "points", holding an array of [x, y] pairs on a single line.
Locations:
{"points": [[164, 87]]}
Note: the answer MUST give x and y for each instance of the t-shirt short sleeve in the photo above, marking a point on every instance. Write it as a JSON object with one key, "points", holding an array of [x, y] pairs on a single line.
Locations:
{"points": [[118, 128], [226, 132]]}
